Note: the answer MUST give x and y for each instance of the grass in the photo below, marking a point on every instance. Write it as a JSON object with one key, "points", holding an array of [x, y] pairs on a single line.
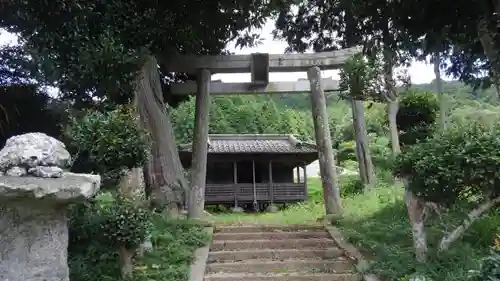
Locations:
{"points": [[376, 222], [174, 243]]}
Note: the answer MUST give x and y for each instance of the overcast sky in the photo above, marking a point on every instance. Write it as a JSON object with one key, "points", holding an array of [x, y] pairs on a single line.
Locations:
{"points": [[419, 72]]}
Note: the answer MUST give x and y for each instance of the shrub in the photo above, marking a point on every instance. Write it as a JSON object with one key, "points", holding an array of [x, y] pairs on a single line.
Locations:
{"points": [[98, 228], [416, 116], [489, 269], [457, 169], [461, 163], [346, 151], [106, 143], [350, 185]]}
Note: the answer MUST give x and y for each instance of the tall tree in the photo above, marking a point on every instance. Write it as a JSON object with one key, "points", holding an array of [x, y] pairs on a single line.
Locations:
{"points": [[471, 31], [325, 26], [110, 61]]}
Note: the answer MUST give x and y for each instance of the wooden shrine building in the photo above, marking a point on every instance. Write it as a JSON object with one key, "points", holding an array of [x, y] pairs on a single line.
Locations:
{"points": [[254, 169]]}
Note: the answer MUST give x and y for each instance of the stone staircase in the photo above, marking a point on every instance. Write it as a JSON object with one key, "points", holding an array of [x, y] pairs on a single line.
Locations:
{"points": [[276, 253]]}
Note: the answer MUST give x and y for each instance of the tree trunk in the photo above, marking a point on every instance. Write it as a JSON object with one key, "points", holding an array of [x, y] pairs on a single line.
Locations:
{"points": [[126, 262], [392, 112], [439, 91], [329, 180], [416, 214], [196, 197], [132, 184], [414, 205], [447, 240], [363, 156], [167, 183]]}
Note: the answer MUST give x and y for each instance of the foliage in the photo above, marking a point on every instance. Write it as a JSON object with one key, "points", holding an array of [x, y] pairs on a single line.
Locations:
{"points": [[350, 185], [107, 142], [489, 269], [361, 78], [20, 105], [126, 222], [92, 259], [233, 115], [174, 242], [110, 220], [95, 63], [416, 116], [459, 164], [403, 29]]}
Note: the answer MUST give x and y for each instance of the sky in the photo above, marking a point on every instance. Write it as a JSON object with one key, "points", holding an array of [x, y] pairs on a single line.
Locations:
{"points": [[420, 72]]}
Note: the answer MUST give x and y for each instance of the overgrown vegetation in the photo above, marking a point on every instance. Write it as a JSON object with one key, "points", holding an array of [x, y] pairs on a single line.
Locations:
{"points": [[376, 220], [93, 258], [106, 234]]}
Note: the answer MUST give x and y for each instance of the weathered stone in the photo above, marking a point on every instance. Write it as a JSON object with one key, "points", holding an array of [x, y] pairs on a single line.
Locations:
{"points": [[34, 243], [33, 149], [15, 171], [69, 187], [237, 210], [272, 208], [33, 224], [46, 172]]}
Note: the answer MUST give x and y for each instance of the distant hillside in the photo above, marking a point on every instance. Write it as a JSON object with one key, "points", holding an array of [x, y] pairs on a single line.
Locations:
{"points": [[454, 89]]}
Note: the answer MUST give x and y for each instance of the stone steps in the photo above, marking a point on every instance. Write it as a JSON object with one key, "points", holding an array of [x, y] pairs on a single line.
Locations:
{"points": [[271, 235], [286, 266], [219, 245], [284, 277], [276, 253], [267, 228]]}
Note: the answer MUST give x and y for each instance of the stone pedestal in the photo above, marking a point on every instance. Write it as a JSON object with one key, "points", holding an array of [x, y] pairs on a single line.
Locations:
{"points": [[34, 243], [33, 225], [34, 194]]}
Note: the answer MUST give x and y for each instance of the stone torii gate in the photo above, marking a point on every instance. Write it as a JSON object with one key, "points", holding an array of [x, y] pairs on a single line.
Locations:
{"points": [[259, 65]]}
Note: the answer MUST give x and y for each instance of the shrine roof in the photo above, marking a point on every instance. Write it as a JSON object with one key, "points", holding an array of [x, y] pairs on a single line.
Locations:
{"points": [[255, 143]]}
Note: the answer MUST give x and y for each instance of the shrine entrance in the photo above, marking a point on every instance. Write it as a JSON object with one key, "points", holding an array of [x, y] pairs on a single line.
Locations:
{"points": [[259, 65]]}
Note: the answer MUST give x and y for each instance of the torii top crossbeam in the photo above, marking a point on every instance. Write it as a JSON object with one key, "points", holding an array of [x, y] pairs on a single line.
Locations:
{"points": [[259, 65], [277, 62]]}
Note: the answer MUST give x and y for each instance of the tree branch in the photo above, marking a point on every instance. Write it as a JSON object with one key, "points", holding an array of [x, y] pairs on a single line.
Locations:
{"points": [[447, 240]]}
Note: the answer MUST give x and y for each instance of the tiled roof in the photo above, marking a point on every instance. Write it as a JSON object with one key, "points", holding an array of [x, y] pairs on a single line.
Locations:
{"points": [[262, 143]]}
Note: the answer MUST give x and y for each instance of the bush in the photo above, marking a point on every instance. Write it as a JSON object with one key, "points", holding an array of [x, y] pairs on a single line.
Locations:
{"points": [[106, 143], [91, 258], [459, 164], [489, 269], [350, 185], [416, 116]]}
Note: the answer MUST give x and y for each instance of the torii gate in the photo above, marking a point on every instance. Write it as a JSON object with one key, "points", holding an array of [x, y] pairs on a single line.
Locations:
{"points": [[259, 65]]}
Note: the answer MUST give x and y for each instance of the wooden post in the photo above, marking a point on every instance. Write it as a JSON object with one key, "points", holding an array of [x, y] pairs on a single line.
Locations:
{"points": [[271, 185], [363, 155], [196, 198], [324, 144], [304, 166], [305, 180], [254, 186], [235, 181], [298, 174]]}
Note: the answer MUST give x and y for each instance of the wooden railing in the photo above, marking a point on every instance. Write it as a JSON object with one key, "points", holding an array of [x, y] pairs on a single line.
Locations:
{"points": [[264, 192]]}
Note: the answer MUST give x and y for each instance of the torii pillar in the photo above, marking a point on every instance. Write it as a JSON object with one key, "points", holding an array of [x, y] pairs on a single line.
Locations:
{"points": [[196, 192], [328, 171]]}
